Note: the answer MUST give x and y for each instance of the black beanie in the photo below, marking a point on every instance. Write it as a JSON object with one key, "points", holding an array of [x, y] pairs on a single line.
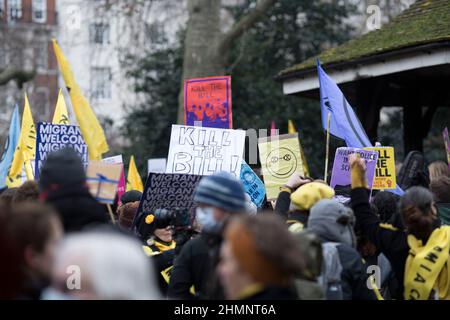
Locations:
{"points": [[62, 168], [131, 196]]}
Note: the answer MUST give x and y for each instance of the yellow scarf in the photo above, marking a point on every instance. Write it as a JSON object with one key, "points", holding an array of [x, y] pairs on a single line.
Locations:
{"points": [[428, 266]]}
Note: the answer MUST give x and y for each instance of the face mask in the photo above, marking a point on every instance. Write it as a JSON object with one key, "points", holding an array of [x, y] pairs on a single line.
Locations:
{"points": [[205, 217]]}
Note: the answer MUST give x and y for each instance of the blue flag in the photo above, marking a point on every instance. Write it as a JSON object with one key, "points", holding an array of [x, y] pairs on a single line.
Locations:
{"points": [[344, 123], [10, 147]]}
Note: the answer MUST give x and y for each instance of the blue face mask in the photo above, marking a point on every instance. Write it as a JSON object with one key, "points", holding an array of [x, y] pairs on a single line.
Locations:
{"points": [[205, 217]]}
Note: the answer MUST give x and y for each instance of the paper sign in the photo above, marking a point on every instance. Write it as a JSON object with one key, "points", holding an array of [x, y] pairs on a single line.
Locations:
{"points": [[280, 157], [203, 151], [168, 191], [385, 176], [341, 175], [447, 144], [208, 100], [157, 165], [103, 179], [53, 137], [253, 185], [121, 187]]}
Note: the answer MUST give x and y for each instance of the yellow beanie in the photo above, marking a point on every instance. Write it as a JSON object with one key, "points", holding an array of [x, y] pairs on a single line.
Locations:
{"points": [[305, 197]]}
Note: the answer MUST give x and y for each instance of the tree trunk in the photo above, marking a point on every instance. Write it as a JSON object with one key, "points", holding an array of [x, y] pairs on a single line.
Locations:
{"points": [[206, 49]]}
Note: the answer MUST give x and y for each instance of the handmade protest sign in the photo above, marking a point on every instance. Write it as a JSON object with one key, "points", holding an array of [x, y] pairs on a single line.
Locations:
{"points": [[53, 137], [341, 175], [168, 191], [203, 151], [253, 185], [447, 144], [157, 165], [280, 157], [385, 176], [103, 179], [208, 101], [121, 187]]}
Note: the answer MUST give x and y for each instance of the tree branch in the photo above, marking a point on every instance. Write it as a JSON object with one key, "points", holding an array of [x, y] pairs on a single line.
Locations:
{"points": [[20, 76], [243, 24]]}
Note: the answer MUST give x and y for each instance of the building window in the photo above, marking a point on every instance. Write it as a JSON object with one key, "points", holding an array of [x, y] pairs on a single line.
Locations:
{"points": [[2, 9], [40, 11], [41, 55], [101, 83], [99, 33], [41, 103], [14, 10]]}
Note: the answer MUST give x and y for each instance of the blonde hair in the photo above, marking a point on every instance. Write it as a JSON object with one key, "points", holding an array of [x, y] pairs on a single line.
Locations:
{"points": [[438, 169]]}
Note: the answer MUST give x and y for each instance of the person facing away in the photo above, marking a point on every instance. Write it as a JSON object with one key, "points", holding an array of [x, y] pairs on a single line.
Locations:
{"points": [[219, 197], [62, 185], [419, 252], [344, 273], [260, 259]]}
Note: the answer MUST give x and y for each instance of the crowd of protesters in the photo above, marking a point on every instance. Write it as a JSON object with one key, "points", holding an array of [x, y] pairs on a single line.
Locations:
{"points": [[58, 242]]}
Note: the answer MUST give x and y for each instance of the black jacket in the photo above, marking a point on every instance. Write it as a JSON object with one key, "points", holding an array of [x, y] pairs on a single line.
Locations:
{"points": [[389, 240], [195, 266], [162, 261], [77, 208], [274, 293], [282, 209]]}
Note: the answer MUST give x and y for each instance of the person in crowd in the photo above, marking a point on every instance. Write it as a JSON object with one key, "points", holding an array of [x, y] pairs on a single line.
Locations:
{"points": [[126, 214], [160, 246], [102, 265], [28, 191], [386, 204], [252, 266], [438, 169], [128, 197], [441, 190], [62, 185], [6, 197], [219, 197], [297, 197], [344, 275], [419, 253], [36, 231]]}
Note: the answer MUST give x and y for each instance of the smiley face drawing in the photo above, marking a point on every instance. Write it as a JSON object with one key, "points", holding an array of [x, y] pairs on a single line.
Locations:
{"points": [[281, 163]]}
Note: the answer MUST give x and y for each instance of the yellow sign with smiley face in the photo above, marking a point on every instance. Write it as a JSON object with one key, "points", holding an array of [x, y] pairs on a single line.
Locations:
{"points": [[280, 158]]}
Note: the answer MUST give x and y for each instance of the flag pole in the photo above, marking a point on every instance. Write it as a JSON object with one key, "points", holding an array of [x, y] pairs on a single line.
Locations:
{"points": [[327, 150]]}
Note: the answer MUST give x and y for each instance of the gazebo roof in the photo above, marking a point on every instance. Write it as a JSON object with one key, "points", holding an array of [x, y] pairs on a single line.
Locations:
{"points": [[423, 23]]}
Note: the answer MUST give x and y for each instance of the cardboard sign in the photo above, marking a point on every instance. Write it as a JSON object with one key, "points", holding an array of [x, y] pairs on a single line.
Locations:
{"points": [[385, 176], [203, 151], [157, 165], [121, 187], [280, 157], [447, 144], [168, 191], [103, 179], [253, 185], [208, 101], [341, 175], [53, 137]]}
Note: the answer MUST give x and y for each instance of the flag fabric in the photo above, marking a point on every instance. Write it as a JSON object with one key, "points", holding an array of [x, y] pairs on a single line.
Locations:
{"points": [[134, 181], [61, 115], [344, 123], [292, 129], [90, 128], [273, 129], [25, 151], [10, 146]]}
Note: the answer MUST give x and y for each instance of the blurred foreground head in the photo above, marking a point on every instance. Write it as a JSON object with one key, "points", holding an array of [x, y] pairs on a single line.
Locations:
{"points": [[259, 250], [102, 265], [62, 183]]}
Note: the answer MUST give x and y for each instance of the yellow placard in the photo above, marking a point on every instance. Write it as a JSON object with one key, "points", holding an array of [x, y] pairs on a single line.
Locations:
{"points": [[280, 157], [385, 172]]}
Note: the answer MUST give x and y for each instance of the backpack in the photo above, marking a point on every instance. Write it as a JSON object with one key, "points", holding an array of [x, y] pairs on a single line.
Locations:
{"points": [[330, 278]]}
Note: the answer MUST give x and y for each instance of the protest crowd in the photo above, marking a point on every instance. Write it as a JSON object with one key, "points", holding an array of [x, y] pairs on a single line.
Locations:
{"points": [[222, 229]]}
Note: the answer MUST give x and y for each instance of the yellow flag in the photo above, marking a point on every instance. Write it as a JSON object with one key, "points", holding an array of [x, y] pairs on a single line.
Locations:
{"points": [[90, 128], [25, 151], [61, 116], [134, 181], [292, 129]]}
